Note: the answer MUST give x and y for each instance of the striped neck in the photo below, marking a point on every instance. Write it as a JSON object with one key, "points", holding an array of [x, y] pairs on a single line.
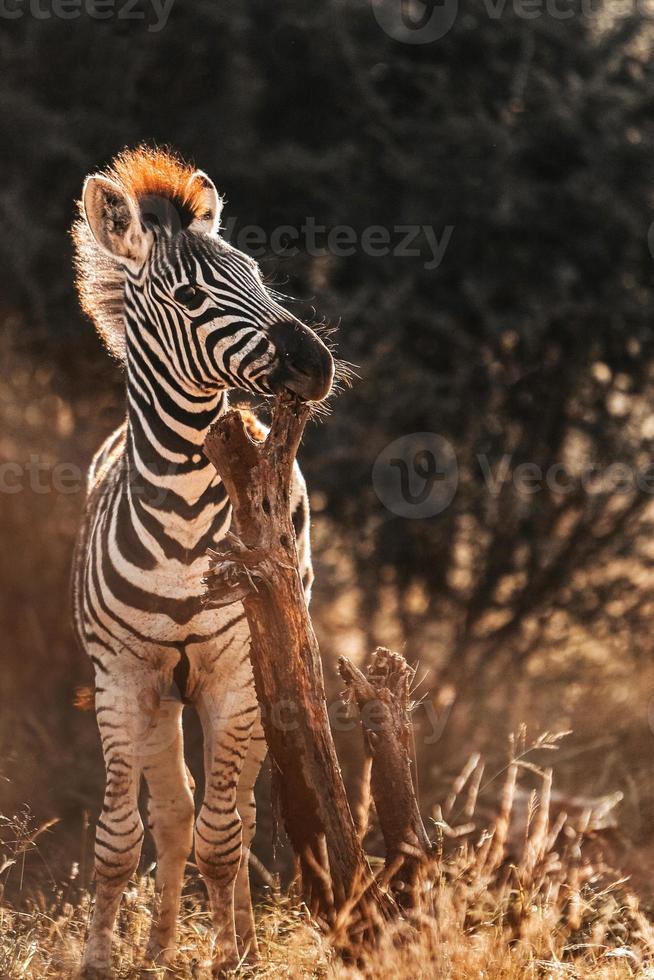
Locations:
{"points": [[167, 423]]}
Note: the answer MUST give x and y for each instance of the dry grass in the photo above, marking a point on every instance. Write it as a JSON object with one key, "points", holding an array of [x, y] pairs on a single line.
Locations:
{"points": [[528, 895], [505, 902]]}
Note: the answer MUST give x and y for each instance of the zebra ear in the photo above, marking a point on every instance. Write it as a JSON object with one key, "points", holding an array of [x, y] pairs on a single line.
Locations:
{"points": [[114, 221], [208, 203]]}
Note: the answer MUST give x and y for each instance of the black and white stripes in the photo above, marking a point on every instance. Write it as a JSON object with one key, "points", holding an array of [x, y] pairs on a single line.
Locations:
{"points": [[197, 322]]}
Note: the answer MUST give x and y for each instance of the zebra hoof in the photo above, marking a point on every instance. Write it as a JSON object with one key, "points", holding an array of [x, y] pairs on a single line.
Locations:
{"points": [[251, 953]]}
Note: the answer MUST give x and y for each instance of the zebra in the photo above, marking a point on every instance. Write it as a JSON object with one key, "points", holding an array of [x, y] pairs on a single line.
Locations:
{"points": [[190, 318]]}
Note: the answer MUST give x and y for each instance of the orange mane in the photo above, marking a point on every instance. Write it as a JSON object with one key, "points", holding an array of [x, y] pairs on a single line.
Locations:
{"points": [[144, 171]]}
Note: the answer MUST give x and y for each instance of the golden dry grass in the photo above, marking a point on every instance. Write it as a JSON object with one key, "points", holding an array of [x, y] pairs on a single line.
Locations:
{"points": [[543, 905], [529, 895]]}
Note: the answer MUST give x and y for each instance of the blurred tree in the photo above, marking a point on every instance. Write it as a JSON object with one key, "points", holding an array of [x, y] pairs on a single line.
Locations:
{"points": [[533, 139]]}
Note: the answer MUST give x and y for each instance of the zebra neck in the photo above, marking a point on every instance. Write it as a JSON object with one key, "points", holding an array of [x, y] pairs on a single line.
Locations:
{"points": [[166, 428]]}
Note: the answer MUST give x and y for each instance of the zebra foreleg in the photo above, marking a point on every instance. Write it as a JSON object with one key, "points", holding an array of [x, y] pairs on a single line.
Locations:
{"points": [[227, 718], [171, 812], [246, 806], [123, 717]]}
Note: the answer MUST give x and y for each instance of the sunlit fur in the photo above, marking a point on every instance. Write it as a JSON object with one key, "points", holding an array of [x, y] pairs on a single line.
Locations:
{"points": [[142, 173], [155, 507]]}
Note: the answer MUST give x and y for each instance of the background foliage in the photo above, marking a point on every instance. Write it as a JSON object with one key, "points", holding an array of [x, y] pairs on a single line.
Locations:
{"points": [[530, 343]]}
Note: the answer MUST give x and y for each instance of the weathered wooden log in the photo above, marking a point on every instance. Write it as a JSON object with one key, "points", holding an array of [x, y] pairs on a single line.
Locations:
{"points": [[382, 695], [258, 565]]}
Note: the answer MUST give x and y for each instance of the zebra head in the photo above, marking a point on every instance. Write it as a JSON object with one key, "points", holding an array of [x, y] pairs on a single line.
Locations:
{"points": [[199, 303]]}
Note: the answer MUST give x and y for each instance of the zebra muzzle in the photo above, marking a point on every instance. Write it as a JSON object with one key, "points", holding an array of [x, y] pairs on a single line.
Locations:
{"points": [[304, 365]]}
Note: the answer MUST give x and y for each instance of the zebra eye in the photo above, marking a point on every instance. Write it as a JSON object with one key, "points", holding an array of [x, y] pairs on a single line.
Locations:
{"points": [[187, 295]]}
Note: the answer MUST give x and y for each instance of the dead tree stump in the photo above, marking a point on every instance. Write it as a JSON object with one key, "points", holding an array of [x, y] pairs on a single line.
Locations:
{"points": [[382, 696], [258, 565]]}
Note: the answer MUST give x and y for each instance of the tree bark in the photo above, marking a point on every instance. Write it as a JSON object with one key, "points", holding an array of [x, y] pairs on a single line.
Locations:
{"points": [[382, 695], [258, 565]]}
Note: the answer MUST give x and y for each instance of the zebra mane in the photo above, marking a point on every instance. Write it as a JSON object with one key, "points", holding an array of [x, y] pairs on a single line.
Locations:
{"points": [[145, 174]]}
